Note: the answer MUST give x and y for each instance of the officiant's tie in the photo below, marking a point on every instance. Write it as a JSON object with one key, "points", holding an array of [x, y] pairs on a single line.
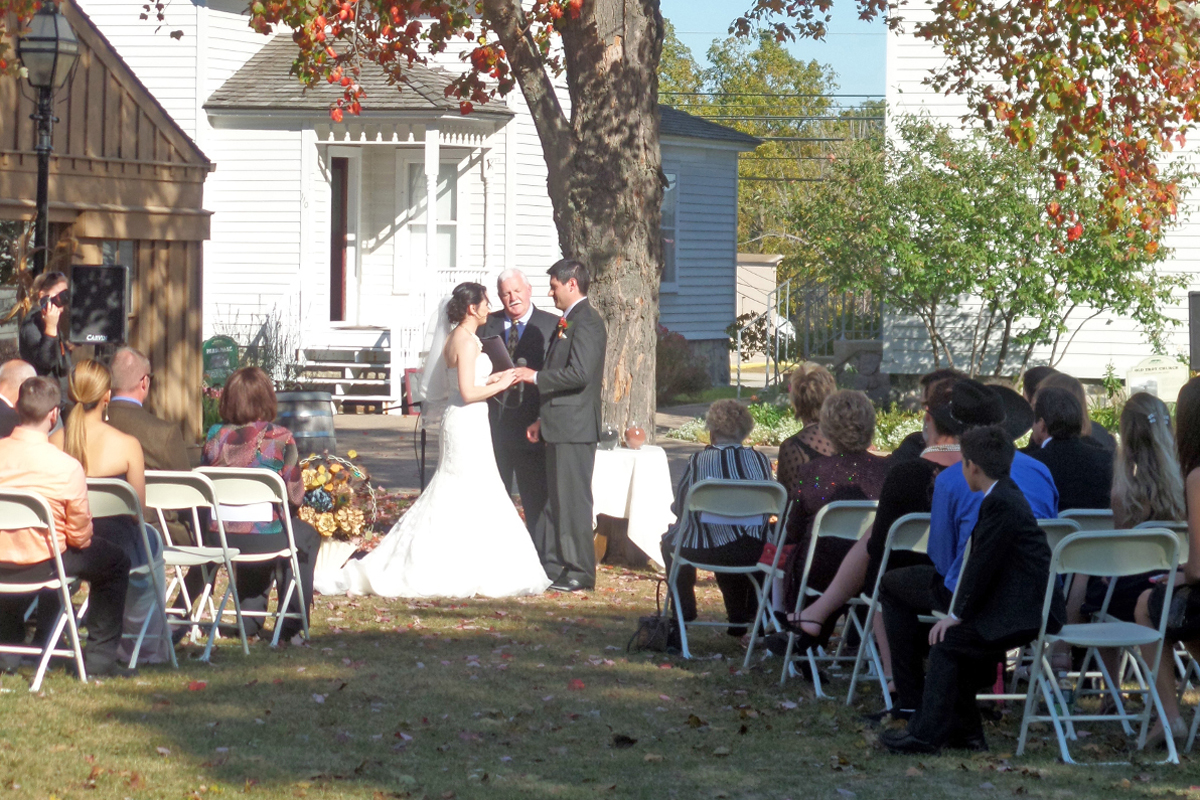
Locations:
{"points": [[514, 335]]}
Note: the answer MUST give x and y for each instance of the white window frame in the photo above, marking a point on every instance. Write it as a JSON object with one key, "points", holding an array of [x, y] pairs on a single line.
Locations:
{"points": [[672, 285], [404, 275]]}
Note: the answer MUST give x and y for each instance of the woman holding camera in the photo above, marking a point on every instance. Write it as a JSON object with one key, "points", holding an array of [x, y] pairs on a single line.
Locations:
{"points": [[39, 341]]}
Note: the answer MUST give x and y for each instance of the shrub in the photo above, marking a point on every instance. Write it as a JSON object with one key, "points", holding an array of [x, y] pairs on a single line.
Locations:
{"points": [[677, 370], [774, 423]]}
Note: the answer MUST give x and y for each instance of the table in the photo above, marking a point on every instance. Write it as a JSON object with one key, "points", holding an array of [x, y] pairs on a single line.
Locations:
{"points": [[635, 485]]}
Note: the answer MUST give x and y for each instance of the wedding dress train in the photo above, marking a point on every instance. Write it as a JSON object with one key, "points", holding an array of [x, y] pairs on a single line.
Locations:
{"points": [[463, 536]]}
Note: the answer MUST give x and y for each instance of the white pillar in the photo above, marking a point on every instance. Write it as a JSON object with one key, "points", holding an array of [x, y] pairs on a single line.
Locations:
{"points": [[432, 162]]}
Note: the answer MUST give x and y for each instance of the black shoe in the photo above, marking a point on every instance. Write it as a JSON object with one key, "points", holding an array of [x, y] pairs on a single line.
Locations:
{"points": [[776, 643], [879, 717], [112, 669], [974, 742], [901, 741], [569, 585]]}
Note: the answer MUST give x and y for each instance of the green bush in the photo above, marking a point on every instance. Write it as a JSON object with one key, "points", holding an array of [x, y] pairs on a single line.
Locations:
{"points": [[893, 424], [677, 370], [773, 424]]}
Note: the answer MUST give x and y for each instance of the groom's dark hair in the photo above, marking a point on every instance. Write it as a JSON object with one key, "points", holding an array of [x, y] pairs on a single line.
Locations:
{"points": [[568, 268]]}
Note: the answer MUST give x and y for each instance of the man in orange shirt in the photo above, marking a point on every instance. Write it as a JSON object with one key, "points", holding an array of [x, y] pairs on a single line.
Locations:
{"points": [[30, 463]]}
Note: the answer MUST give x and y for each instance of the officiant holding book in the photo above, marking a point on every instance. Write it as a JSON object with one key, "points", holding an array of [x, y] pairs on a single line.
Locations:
{"points": [[526, 333]]}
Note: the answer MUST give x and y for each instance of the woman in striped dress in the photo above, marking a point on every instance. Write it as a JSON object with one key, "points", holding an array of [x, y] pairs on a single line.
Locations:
{"points": [[728, 423]]}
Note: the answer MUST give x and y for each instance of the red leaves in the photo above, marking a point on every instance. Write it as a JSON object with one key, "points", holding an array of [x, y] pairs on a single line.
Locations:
{"points": [[575, 685], [197, 686], [1074, 232]]}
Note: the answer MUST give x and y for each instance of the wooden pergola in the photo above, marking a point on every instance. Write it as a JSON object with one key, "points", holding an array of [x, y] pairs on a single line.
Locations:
{"points": [[126, 184]]}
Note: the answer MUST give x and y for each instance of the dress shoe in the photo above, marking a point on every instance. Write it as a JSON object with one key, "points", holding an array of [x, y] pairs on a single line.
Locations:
{"points": [[879, 717], [112, 669], [569, 585], [901, 741]]}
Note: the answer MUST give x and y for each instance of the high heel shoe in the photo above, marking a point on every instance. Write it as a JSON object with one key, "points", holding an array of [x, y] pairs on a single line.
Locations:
{"points": [[804, 639]]}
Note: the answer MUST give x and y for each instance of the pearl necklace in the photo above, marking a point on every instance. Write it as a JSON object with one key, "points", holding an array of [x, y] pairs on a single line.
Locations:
{"points": [[942, 448]]}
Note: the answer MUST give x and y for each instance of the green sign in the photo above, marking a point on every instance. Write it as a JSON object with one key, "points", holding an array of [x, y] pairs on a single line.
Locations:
{"points": [[220, 360]]}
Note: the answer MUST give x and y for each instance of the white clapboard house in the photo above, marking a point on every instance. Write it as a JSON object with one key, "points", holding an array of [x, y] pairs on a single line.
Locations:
{"points": [[1107, 339], [324, 227]]}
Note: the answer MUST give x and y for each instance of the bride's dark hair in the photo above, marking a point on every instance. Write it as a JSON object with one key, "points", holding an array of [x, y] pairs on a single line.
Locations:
{"points": [[462, 298]]}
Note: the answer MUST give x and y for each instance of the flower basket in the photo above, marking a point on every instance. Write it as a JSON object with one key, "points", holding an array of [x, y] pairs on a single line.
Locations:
{"points": [[339, 500]]}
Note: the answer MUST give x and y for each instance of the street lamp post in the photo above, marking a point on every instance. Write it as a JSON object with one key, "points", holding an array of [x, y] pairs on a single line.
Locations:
{"points": [[48, 51]]}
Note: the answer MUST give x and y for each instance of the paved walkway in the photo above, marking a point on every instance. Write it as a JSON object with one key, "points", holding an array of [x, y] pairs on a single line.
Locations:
{"points": [[389, 446]]}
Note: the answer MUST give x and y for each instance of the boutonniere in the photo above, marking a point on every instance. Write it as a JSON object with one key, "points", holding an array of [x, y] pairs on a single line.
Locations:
{"points": [[563, 326]]}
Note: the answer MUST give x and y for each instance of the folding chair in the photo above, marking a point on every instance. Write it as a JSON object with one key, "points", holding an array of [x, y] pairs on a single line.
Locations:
{"points": [[110, 497], [1090, 519], [28, 510], [191, 491], [910, 534], [1058, 529], [1110, 554], [742, 501], [251, 487], [848, 520]]}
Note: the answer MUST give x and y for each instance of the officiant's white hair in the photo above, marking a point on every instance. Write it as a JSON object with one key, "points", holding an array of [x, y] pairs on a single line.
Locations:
{"points": [[509, 274]]}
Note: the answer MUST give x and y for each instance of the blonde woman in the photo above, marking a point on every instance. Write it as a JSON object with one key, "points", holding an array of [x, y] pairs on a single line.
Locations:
{"points": [[103, 450]]}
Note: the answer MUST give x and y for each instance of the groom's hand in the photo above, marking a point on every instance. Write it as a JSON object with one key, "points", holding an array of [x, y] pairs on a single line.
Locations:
{"points": [[525, 374], [534, 431]]}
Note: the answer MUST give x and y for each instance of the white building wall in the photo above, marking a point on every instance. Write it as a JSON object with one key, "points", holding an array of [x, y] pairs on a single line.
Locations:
{"points": [[1104, 340]]}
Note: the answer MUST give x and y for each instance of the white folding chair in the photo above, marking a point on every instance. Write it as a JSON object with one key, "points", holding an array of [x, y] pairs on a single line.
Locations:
{"points": [[910, 534], [253, 487], [848, 520], [741, 501], [1111, 554], [1090, 519], [1058, 529], [191, 491], [28, 510], [110, 497]]}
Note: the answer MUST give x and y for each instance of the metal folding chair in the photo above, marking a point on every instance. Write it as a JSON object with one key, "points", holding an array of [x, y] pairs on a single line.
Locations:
{"points": [[732, 499], [28, 510], [909, 533], [255, 486], [192, 491], [1090, 519], [1111, 554], [848, 520], [110, 497]]}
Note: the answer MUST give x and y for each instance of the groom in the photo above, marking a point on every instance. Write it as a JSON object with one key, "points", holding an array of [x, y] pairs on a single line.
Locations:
{"points": [[569, 423]]}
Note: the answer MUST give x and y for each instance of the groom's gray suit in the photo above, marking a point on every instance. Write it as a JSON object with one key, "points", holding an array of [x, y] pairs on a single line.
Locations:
{"points": [[569, 386]]}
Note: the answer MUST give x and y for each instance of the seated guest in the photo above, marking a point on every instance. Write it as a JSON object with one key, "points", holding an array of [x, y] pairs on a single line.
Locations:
{"points": [[162, 441], [29, 462], [728, 423], [1089, 429], [907, 489], [1149, 610], [848, 422], [103, 451], [999, 604], [907, 593], [248, 438], [914, 444], [12, 374], [1081, 468], [810, 384]]}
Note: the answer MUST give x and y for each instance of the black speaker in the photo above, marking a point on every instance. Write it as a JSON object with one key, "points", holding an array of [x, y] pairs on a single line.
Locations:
{"points": [[98, 304]]}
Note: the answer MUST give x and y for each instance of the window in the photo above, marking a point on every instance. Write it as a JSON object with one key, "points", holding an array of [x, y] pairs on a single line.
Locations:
{"points": [[670, 200], [447, 214]]}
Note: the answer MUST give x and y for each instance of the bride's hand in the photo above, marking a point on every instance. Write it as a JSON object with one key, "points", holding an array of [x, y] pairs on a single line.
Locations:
{"points": [[506, 378]]}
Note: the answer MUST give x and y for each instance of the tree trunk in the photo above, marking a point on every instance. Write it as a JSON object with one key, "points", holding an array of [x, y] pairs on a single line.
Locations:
{"points": [[604, 175]]}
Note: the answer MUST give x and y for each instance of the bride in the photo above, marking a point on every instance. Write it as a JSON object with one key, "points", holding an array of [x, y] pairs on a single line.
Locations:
{"points": [[463, 536]]}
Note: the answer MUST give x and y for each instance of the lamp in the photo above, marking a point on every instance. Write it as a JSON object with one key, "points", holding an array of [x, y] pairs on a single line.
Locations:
{"points": [[48, 50]]}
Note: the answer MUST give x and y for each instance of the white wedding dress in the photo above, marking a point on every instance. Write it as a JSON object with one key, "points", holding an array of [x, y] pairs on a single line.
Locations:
{"points": [[463, 536]]}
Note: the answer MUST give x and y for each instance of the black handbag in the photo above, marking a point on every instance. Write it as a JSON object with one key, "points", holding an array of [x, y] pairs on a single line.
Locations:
{"points": [[658, 632], [1183, 617]]}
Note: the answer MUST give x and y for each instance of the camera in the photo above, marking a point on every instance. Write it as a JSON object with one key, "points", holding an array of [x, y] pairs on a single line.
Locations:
{"points": [[61, 300]]}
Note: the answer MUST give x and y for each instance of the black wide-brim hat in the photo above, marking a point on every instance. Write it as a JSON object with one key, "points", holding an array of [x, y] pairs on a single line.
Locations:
{"points": [[973, 405]]}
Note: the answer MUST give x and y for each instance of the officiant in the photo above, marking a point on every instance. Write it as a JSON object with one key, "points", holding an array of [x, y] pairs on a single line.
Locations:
{"points": [[526, 332]]}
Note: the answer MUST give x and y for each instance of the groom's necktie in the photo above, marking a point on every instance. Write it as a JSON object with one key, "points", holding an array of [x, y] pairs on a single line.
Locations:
{"points": [[514, 335]]}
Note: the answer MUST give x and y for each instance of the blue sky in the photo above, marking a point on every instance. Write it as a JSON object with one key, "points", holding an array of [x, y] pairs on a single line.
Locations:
{"points": [[854, 49]]}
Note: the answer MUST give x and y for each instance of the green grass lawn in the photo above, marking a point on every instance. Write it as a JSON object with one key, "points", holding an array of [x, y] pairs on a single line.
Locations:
{"points": [[525, 698]]}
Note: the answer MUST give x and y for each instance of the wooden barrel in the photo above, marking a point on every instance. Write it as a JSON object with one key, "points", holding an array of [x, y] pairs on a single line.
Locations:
{"points": [[309, 416]]}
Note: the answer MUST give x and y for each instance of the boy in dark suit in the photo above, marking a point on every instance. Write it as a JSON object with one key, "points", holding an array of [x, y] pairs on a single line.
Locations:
{"points": [[998, 606], [1082, 469]]}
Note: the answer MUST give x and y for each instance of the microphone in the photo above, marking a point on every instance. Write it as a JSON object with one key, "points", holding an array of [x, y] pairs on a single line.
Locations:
{"points": [[521, 390]]}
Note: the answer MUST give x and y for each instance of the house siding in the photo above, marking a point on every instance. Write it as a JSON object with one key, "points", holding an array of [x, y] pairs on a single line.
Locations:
{"points": [[1108, 339]]}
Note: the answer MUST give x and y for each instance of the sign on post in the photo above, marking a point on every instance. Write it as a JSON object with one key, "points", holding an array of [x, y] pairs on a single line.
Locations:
{"points": [[1161, 376], [220, 360]]}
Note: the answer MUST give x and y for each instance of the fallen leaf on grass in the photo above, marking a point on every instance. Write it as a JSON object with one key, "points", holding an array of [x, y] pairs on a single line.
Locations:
{"points": [[196, 686], [136, 781], [653, 757], [987, 785], [575, 685], [913, 772], [163, 751], [720, 751], [695, 722], [846, 793], [621, 741], [448, 795], [318, 698]]}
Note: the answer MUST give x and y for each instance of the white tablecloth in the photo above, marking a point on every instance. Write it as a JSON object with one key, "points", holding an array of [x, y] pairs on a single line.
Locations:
{"points": [[635, 485]]}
